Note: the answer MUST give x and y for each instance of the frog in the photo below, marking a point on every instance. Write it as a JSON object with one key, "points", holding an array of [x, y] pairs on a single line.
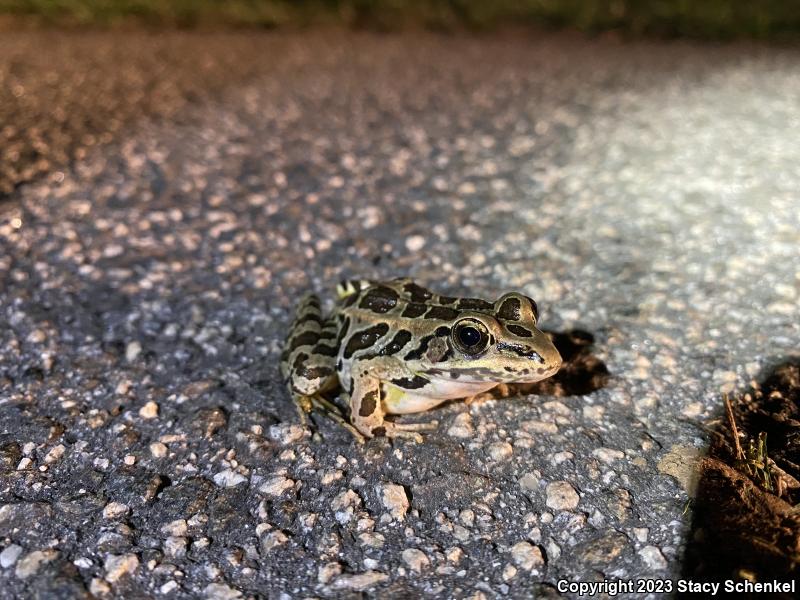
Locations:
{"points": [[395, 348]]}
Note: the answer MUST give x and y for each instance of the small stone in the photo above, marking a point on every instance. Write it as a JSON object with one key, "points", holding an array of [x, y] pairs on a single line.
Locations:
{"points": [[527, 556], [10, 555], [500, 451], [98, 587], [394, 499], [603, 550], [345, 499], [359, 582], [82, 563], [149, 410], [132, 351], [168, 587], [276, 485], [561, 496], [415, 559], [25, 464], [229, 478], [328, 571], [177, 528], [467, 517], [529, 482], [608, 455], [175, 546], [273, 539], [129, 460], [37, 336], [653, 558], [286, 433], [509, 572], [462, 426], [55, 454], [220, 591], [158, 450], [373, 540], [330, 476], [115, 510], [415, 243], [454, 555], [119, 566], [30, 563]]}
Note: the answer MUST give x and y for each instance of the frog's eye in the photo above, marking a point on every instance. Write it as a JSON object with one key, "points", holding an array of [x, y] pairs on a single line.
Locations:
{"points": [[470, 336]]}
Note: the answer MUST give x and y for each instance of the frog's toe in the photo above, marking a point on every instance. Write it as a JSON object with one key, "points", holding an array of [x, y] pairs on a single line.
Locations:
{"points": [[409, 430], [426, 426]]}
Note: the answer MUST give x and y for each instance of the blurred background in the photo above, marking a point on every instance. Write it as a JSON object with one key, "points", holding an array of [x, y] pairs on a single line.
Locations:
{"points": [[175, 175], [712, 18]]}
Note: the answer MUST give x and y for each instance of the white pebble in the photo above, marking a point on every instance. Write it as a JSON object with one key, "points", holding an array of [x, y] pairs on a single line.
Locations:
{"points": [[415, 243], [394, 499], [527, 556], [415, 559], [276, 485], [114, 510], [229, 478], [500, 451], [158, 450], [10, 555], [118, 566], [561, 496], [132, 351], [149, 410]]}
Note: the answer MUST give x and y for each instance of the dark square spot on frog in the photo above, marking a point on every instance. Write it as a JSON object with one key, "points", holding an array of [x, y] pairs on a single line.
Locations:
{"points": [[519, 331], [414, 310], [325, 350], [368, 403], [441, 313], [365, 338], [510, 310], [398, 342], [379, 299], [474, 304], [410, 383], [417, 293], [307, 338], [311, 315], [299, 360]]}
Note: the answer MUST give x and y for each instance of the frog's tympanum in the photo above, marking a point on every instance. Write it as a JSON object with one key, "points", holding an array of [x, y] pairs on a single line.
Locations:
{"points": [[397, 348]]}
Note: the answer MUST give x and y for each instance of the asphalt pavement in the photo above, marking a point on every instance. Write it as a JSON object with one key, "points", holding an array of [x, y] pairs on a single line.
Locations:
{"points": [[169, 197]]}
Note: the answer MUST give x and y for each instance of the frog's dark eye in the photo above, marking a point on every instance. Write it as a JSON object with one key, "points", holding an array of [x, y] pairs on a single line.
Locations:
{"points": [[470, 336]]}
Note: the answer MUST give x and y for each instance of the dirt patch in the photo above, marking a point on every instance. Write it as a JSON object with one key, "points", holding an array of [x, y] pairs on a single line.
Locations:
{"points": [[746, 516]]}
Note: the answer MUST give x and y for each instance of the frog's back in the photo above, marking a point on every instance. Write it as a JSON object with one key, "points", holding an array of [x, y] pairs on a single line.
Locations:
{"points": [[402, 300]]}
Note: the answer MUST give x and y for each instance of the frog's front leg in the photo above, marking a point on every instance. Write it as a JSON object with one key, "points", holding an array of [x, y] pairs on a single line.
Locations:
{"points": [[367, 411]]}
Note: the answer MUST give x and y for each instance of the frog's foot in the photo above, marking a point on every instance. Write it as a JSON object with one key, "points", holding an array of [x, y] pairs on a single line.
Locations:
{"points": [[408, 430], [330, 410]]}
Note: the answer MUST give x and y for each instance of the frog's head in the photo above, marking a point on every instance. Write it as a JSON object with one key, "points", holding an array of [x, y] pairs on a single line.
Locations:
{"points": [[501, 344]]}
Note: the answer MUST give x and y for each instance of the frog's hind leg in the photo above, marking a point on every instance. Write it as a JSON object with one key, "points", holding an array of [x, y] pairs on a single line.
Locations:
{"points": [[367, 411], [308, 361]]}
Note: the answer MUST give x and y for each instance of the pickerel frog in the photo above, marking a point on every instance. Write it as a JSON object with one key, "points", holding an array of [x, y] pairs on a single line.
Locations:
{"points": [[397, 348]]}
